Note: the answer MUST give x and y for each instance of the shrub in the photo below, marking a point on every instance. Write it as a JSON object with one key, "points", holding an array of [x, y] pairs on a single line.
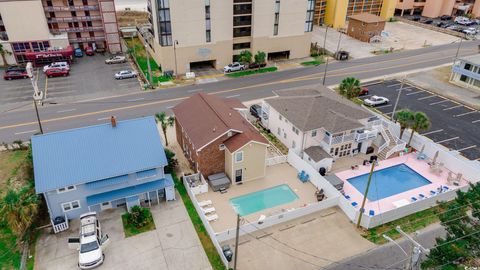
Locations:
{"points": [[139, 216], [172, 161]]}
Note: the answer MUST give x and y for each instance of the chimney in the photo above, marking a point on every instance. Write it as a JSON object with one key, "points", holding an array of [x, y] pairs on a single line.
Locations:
{"points": [[113, 121]]}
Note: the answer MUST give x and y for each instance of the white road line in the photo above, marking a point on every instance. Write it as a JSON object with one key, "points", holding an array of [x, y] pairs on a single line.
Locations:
{"points": [[451, 108], [466, 148], [414, 93], [422, 98], [394, 85], [169, 107], [438, 102], [136, 99], [383, 106], [462, 114], [69, 110], [476, 121], [233, 96], [103, 118], [431, 132], [451, 139], [28, 131], [194, 90]]}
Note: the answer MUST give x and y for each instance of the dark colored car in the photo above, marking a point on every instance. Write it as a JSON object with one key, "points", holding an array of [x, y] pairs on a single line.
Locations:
{"points": [[257, 65], [57, 72], [428, 21], [416, 18], [364, 91], [446, 25], [439, 24], [256, 110], [12, 75], [16, 68], [89, 51], [445, 18]]}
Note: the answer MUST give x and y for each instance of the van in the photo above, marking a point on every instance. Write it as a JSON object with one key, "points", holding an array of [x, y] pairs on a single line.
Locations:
{"points": [[57, 65]]}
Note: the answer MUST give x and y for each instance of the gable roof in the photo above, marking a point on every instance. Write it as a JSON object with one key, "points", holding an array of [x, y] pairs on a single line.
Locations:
{"points": [[83, 155], [207, 117], [367, 18], [312, 110], [316, 153]]}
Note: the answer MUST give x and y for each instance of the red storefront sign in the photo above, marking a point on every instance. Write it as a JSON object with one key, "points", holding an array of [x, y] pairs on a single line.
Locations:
{"points": [[64, 54]]}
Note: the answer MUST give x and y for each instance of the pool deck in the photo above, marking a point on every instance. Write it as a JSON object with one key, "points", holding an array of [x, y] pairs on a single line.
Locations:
{"points": [[386, 204], [275, 175]]}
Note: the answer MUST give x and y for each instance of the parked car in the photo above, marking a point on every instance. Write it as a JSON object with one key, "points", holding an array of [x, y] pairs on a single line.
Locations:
{"points": [[236, 66], [15, 74], [257, 65], [446, 25], [89, 51], [16, 68], [57, 72], [125, 74], [454, 28], [416, 18], [445, 18], [91, 242], [256, 110], [376, 101], [463, 20], [116, 59], [427, 21], [61, 65], [470, 31], [363, 91], [78, 52]]}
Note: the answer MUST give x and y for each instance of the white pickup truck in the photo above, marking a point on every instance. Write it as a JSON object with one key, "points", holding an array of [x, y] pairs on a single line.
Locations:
{"points": [[91, 243]]}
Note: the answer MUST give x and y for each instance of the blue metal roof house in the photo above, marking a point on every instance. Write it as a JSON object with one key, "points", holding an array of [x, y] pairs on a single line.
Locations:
{"points": [[100, 167]]}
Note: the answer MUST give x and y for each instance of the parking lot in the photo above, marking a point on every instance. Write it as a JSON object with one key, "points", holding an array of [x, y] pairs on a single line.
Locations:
{"points": [[89, 78], [453, 125], [450, 24]]}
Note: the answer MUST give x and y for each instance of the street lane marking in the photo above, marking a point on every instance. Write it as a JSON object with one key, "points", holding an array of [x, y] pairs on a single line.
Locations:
{"points": [[194, 90], [431, 132], [447, 140], [232, 96], [438, 102], [466, 148], [135, 99], [414, 93], [24, 132], [69, 110], [476, 121], [462, 114], [103, 118], [454, 107], [422, 98]]}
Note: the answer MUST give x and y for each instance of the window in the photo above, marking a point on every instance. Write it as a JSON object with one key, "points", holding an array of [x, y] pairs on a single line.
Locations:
{"points": [[309, 17], [277, 17], [66, 189], [240, 46], [208, 25], [68, 206], [164, 23], [293, 144], [314, 133], [239, 157], [279, 131]]}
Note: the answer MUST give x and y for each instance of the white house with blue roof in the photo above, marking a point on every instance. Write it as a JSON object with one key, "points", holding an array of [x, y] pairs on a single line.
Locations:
{"points": [[119, 164]]}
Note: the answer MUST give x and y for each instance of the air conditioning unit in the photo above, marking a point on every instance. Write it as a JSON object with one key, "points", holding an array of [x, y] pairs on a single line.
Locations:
{"points": [[221, 147]]}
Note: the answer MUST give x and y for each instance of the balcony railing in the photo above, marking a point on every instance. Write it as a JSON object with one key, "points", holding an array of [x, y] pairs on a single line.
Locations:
{"points": [[76, 29], [329, 140], [71, 8], [86, 39], [74, 19], [366, 135]]}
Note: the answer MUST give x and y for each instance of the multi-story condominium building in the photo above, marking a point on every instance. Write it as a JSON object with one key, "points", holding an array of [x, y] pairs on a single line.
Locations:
{"points": [[190, 33], [335, 12], [41, 31], [436, 8], [466, 72]]}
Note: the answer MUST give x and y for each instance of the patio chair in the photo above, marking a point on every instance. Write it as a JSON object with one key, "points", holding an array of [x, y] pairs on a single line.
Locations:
{"points": [[211, 218], [445, 188], [208, 210], [371, 213], [354, 204], [301, 174], [433, 193], [347, 197], [205, 203], [413, 199], [421, 196]]}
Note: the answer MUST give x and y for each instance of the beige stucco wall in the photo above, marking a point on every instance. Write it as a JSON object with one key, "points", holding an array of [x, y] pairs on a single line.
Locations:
{"points": [[24, 20], [435, 8], [476, 8], [253, 164], [229, 165]]}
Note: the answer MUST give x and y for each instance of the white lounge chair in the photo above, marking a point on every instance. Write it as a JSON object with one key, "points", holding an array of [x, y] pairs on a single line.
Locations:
{"points": [[208, 210], [205, 203], [212, 217]]}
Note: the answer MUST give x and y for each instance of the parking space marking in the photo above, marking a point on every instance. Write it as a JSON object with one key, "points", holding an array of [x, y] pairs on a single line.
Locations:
{"points": [[24, 132], [447, 140], [438, 102], [431, 132], [409, 88], [462, 114], [466, 148], [392, 85], [103, 118], [232, 96], [453, 107], [414, 93], [69, 110], [135, 99], [476, 121], [422, 98], [194, 90]]}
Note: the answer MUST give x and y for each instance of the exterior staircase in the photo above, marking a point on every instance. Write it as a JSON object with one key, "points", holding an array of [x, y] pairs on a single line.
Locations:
{"points": [[392, 143]]}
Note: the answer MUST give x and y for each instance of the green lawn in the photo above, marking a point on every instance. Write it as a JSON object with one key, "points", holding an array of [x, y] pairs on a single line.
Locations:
{"points": [[251, 72], [9, 252], [207, 244], [312, 63], [131, 230]]}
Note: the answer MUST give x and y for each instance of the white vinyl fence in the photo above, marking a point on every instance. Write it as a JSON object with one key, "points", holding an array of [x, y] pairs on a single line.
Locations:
{"points": [[275, 160]]}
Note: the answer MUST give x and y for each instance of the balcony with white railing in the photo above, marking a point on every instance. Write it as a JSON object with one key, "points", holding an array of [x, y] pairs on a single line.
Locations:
{"points": [[86, 39], [365, 135], [338, 139], [71, 8], [77, 29], [74, 19]]}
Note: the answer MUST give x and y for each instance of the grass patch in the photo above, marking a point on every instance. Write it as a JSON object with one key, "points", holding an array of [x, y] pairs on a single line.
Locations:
{"points": [[252, 71], [131, 230], [315, 62], [10, 254], [207, 244], [272, 139], [409, 224]]}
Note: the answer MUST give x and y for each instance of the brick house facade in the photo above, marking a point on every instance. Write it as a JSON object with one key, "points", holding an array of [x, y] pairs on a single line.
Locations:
{"points": [[365, 26]]}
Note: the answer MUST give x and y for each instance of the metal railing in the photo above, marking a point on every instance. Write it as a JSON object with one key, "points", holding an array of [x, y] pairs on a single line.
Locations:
{"points": [[396, 148], [366, 135], [61, 226], [77, 29], [86, 39], [387, 140], [74, 19], [71, 8]]}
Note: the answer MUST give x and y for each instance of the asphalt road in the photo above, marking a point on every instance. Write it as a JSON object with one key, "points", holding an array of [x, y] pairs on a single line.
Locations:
{"points": [[454, 125], [390, 256], [21, 124]]}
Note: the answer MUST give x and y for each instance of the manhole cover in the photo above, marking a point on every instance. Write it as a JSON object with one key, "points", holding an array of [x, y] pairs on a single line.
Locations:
{"points": [[169, 235]]}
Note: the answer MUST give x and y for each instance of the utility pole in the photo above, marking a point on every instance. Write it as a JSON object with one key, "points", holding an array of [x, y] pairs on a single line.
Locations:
{"points": [[416, 251], [325, 42], [398, 98], [175, 43], [326, 58], [148, 66], [362, 208], [37, 94], [458, 50], [236, 243]]}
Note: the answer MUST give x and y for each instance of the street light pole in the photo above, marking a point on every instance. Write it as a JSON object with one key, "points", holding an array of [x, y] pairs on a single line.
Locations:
{"points": [[148, 66], [37, 95], [175, 43]]}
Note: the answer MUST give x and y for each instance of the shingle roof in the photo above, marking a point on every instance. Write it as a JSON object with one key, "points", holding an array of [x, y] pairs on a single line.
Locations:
{"points": [[87, 154], [367, 18], [206, 117], [323, 110], [317, 153]]}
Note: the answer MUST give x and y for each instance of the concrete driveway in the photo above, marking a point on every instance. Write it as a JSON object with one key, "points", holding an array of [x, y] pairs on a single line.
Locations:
{"points": [[310, 242], [174, 245]]}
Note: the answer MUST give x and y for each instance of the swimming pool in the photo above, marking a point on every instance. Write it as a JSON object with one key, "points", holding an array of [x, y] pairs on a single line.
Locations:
{"points": [[263, 199], [389, 181]]}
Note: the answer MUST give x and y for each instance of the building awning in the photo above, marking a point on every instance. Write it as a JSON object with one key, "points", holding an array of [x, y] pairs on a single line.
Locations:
{"points": [[67, 52], [107, 182], [130, 191]]}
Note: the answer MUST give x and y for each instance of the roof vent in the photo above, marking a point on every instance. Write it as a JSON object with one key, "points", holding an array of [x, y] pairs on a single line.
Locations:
{"points": [[113, 121], [214, 129], [229, 114]]}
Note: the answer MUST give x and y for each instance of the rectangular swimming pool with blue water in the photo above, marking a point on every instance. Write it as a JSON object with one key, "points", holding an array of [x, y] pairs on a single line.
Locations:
{"points": [[389, 181], [263, 199]]}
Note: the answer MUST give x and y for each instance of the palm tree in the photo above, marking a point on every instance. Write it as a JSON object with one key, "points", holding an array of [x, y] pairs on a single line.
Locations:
{"points": [[3, 53], [165, 122], [18, 209], [420, 123], [350, 87], [405, 119]]}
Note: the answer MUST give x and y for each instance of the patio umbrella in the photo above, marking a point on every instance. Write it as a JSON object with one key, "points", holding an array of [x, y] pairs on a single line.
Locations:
{"points": [[434, 161]]}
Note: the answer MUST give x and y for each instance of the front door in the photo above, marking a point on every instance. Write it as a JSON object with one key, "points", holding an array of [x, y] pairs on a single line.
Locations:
{"points": [[238, 176]]}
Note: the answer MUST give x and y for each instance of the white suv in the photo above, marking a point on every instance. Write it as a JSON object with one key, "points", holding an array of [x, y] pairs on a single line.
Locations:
{"points": [[57, 65], [236, 66]]}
